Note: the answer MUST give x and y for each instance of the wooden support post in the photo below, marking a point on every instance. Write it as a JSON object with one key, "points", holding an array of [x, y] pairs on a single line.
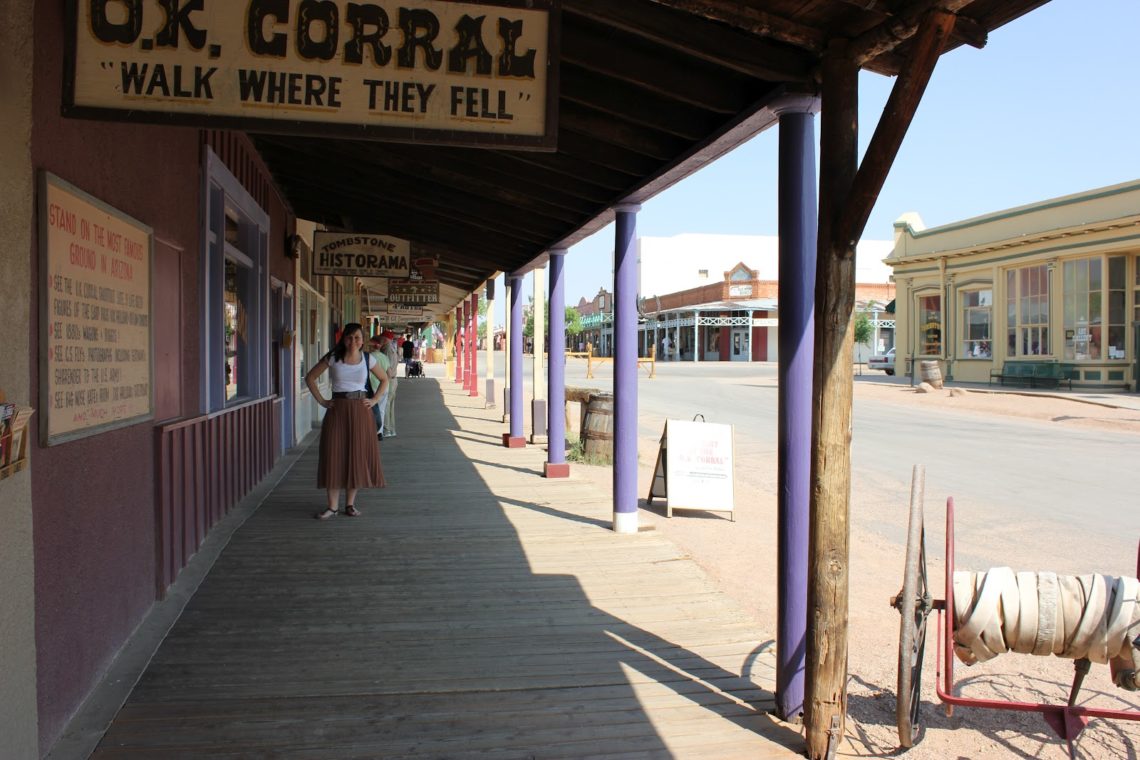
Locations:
{"points": [[845, 201], [896, 118], [825, 689]]}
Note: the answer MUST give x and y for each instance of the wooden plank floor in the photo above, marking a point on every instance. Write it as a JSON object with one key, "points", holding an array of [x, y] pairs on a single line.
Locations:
{"points": [[476, 609]]}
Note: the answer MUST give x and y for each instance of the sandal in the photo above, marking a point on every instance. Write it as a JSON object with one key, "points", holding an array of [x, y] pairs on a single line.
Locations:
{"points": [[352, 511], [326, 513]]}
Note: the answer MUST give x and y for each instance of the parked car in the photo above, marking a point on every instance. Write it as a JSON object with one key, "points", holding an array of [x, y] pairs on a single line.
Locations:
{"points": [[885, 362]]}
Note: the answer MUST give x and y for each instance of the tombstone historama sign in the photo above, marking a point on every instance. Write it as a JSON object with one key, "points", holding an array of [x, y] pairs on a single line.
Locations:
{"points": [[353, 254], [480, 72]]}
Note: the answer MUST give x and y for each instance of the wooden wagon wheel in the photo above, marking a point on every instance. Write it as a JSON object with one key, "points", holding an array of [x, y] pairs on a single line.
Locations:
{"points": [[914, 604]]}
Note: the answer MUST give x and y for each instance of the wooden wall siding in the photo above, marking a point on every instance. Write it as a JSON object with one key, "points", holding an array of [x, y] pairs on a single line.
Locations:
{"points": [[205, 466], [240, 157]]}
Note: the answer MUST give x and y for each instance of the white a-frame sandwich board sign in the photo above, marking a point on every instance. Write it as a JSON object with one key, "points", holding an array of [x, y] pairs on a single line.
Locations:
{"points": [[694, 468]]}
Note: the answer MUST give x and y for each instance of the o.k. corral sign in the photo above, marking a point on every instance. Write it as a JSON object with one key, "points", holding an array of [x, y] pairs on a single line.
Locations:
{"points": [[353, 254], [481, 72]]}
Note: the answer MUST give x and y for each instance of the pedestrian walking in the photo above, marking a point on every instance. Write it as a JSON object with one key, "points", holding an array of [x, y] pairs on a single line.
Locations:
{"points": [[389, 348]]}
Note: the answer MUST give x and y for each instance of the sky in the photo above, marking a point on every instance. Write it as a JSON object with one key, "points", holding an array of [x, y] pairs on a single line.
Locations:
{"points": [[1049, 107]]}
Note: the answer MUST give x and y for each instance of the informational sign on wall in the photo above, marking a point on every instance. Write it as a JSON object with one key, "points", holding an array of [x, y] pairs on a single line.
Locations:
{"points": [[96, 368], [353, 254], [415, 70], [695, 467]]}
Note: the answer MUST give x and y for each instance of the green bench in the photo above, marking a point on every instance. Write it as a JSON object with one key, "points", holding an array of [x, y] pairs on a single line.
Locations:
{"points": [[1034, 374]]}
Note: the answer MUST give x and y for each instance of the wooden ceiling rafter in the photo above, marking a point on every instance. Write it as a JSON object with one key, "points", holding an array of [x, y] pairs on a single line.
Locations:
{"points": [[444, 182], [632, 104], [693, 82], [754, 21], [440, 202], [533, 172], [896, 30], [559, 167], [586, 149], [648, 142], [406, 223], [698, 39], [434, 175]]}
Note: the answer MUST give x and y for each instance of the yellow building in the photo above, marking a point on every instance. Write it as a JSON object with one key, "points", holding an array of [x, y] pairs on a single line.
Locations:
{"points": [[1035, 294]]}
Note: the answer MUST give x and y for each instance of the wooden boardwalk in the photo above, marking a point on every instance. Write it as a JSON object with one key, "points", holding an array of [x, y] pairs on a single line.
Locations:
{"points": [[476, 609]]}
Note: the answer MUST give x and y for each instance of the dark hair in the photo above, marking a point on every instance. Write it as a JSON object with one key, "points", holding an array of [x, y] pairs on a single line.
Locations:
{"points": [[340, 349]]}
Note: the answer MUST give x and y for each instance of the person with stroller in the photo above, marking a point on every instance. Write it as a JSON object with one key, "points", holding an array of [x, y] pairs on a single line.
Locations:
{"points": [[409, 351], [349, 452]]}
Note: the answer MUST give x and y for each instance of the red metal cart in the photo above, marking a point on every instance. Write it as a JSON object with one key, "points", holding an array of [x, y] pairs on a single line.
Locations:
{"points": [[915, 603]]}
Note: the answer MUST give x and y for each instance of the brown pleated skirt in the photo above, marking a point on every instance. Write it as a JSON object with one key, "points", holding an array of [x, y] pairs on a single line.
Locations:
{"points": [[350, 453]]}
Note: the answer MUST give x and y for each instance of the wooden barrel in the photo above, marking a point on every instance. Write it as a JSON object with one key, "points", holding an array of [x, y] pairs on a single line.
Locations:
{"points": [[598, 427], [930, 372]]}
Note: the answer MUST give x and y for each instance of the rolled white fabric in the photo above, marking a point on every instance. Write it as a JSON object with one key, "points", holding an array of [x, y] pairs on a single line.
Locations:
{"points": [[1027, 630], [1087, 616], [1047, 607]]}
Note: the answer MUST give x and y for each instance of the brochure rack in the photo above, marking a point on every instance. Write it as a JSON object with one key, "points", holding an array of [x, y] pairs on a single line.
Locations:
{"points": [[13, 436]]}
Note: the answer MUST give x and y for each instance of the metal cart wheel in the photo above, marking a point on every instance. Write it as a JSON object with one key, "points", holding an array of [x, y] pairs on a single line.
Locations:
{"points": [[914, 604]]}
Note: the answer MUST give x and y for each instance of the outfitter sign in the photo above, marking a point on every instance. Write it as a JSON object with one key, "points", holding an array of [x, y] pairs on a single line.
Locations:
{"points": [[420, 70], [413, 291], [354, 254]]}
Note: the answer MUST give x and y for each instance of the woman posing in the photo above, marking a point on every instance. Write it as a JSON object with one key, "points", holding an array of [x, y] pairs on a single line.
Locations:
{"points": [[350, 454]]}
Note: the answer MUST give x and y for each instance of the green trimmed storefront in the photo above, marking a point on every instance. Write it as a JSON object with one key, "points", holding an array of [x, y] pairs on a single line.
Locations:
{"points": [[1052, 283]]}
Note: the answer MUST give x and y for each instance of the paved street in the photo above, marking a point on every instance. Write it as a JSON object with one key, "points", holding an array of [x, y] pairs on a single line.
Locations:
{"points": [[1078, 483]]}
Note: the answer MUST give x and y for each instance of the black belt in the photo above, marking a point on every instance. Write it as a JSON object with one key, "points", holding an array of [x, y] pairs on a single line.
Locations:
{"points": [[350, 394]]}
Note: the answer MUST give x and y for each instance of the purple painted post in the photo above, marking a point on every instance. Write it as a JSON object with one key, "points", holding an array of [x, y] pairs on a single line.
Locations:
{"points": [[515, 438], [556, 466], [466, 342], [797, 223], [473, 363], [460, 345], [625, 368], [471, 348]]}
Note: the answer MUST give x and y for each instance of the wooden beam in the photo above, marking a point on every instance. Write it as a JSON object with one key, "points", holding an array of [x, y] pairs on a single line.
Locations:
{"points": [[441, 179], [754, 21], [556, 168], [893, 124], [825, 697], [486, 178], [699, 38], [673, 77], [394, 203], [898, 29], [405, 220], [586, 149], [633, 104], [846, 198], [391, 196], [619, 132]]}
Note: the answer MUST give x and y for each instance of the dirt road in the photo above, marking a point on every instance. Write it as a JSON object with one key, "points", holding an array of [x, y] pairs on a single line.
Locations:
{"points": [[741, 557]]}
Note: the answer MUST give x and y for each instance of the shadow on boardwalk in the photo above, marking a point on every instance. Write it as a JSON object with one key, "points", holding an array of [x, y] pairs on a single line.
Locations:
{"points": [[474, 610]]}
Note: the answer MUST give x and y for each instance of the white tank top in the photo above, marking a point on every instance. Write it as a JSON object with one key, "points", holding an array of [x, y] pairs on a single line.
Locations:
{"points": [[348, 377]]}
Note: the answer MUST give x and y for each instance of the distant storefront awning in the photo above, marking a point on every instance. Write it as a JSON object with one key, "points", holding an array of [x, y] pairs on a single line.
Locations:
{"points": [[890, 307]]}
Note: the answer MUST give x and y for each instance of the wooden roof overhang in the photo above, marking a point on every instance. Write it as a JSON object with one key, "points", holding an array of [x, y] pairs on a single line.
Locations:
{"points": [[648, 92]]}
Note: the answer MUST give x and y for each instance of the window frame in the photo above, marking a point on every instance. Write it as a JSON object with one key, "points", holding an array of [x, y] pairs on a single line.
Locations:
{"points": [[237, 232], [965, 311], [1097, 327], [1018, 303], [922, 324]]}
